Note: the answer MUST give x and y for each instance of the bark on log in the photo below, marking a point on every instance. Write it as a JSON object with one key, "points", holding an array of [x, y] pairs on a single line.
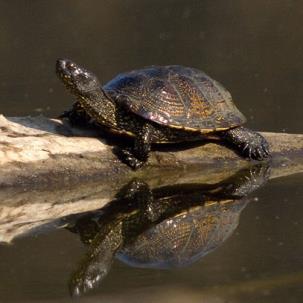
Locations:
{"points": [[37, 151], [49, 170]]}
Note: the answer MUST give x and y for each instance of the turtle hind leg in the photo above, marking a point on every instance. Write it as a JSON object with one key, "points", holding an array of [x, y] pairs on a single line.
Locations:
{"points": [[137, 156], [248, 143]]}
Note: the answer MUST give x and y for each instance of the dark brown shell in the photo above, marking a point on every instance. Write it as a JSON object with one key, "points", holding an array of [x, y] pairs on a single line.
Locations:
{"points": [[176, 96]]}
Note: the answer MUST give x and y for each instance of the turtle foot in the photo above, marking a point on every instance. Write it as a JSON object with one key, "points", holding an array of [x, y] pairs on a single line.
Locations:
{"points": [[76, 116], [126, 156], [249, 144], [257, 148]]}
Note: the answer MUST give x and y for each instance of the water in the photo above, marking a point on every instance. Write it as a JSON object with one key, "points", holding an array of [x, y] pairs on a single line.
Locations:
{"points": [[253, 48], [260, 260]]}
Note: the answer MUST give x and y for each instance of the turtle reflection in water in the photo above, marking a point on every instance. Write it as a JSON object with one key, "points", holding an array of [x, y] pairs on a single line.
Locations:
{"points": [[170, 226]]}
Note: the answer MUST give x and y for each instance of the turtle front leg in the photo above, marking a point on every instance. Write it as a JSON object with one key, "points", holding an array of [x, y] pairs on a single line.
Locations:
{"points": [[76, 116], [137, 155], [248, 143]]}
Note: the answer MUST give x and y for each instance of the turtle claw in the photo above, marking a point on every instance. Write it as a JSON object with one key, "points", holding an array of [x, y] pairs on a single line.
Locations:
{"points": [[258, 148], [248, 143]]}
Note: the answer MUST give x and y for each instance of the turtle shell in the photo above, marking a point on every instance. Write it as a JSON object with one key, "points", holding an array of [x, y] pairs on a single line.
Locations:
{"points": [[176, 96]]}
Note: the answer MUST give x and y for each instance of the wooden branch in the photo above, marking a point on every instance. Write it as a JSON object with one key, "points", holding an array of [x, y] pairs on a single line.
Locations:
{"points": [[50, 170], [36, 151]]}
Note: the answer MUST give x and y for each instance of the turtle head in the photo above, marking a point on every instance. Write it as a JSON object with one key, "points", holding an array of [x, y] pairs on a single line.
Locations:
{"points": [[76, 78], [87, 88]]}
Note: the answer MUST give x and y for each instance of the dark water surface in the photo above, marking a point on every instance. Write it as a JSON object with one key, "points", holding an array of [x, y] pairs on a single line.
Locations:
{"points": [[260, 262], [253, 47]]}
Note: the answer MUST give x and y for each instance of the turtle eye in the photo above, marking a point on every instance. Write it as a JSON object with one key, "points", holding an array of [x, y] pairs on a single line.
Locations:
{"points": [[71, 66]]}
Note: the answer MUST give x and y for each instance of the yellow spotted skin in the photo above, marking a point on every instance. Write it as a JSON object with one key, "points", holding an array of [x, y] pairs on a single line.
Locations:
{"points": [[176, 96]]}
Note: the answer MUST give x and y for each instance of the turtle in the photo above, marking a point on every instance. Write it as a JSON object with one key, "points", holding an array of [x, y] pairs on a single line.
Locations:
{"points": [[165, 227], [160, 104]]}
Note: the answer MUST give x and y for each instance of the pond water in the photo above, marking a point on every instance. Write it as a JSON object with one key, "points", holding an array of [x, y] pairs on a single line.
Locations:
{"points": [[253, 48], [258, 261]]}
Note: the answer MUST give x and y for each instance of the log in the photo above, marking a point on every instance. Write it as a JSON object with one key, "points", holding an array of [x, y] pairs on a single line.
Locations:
{"points": [[50, 169], [38, 151]]}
